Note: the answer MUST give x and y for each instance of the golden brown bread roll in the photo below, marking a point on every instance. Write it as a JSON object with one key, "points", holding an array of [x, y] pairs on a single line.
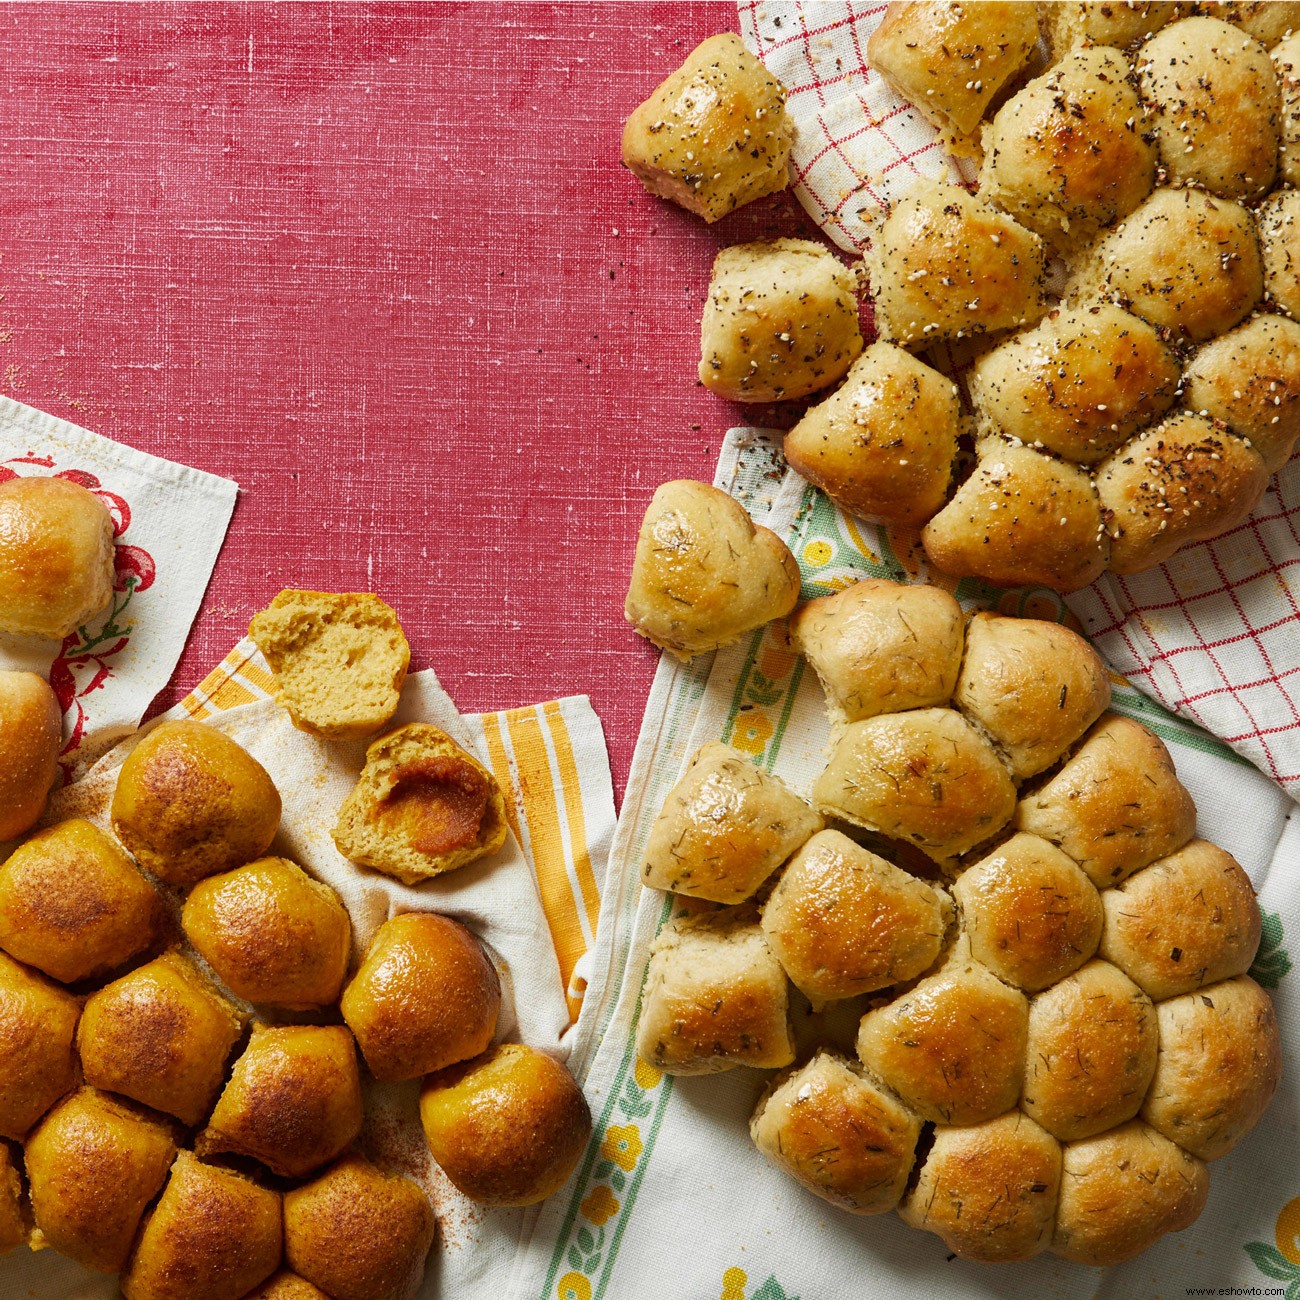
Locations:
{"points": [[426, 995], [1030, 914], [925, 776], [1092, 1052], [1213, 99], [1279, 242], [1187, 920], [989, 1191], [780, 321], [272, 933], [1122, 1191], [724, 828], [1068, 23], [950, 60], [1021, 517], [1286, 64], [715, 997], [839, 1133], [948, 265], [31, 733], [953, 1046], [339, 660], [160, 1035], [422, 806], [1186, 261], [37, 1065], [14, 1229], [191, 802], [508, 1127], [1219, 1065], [214, 1235], [56, 556], [1034, 687], [881, 647], [1081, 382], [94, 1163], [1250, 380], [293, 1101], [1116, 806], [285, 1285], [72, 903], [704, 572], [359, 1232], [1184, 480], [715, 134], [1266, 20], [843, 921], [882, 445], [1069, 155]]}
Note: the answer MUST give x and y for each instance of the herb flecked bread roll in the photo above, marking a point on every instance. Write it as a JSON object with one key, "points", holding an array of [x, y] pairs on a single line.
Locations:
{"points": [[1266, 20], [724, 828], [421, 806], [1286, 63], [715, 134], [883, 444], [1279, 243], [704, 573], [780, 321], [31, 733], [1069, 23], [834, 1129]]}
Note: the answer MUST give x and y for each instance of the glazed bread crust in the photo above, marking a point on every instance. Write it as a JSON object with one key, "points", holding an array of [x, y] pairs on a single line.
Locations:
{"points": [[31, 734]]}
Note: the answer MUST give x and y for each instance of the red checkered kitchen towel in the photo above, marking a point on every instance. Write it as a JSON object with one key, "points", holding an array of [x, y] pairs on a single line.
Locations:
{"points": [[1214, 634]]}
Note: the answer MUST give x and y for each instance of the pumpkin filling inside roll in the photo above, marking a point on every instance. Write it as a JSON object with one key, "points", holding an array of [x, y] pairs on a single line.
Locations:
{"points": [[436, 803]]}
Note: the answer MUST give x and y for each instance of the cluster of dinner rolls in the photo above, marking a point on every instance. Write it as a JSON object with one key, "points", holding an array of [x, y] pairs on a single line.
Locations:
{"points": [[1001, 880]]}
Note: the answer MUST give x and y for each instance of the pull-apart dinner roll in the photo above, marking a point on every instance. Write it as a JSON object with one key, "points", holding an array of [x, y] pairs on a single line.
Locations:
{"points": [[1068, 23], [1068, 155], [1250, 380], [834, 1129], [191, 802], [293, 1101], [1030, 915], [37, 1064], [1091, 1053], [1279, 242], [285, 1285], [1183, 480], [94, 1163], [715, 134], [31, 733], [1187, 920], [881, 647], [14, 1230], [73, 904], [1116, 806], [1121, 1191], [780, 321], [1266, 20], [948, 265], [1186, 261], [950, 60], [925, 776], [1213, 97], [507, 1127], [953, 1047], [704, 572], [724, 828], [1219, 1065], [56, 556], [1021, 517], [426, 995], [715, 997], [359, 1232], [1286, 64], [989, 1191], [272, 933], [339, 660], [1079, 384], [843, 921], [883, 444], [160, 1035], [1034, 687], [214, 1235]]}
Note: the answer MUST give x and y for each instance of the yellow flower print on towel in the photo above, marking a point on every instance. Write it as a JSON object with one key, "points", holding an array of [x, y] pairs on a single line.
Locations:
{"points": [[622, 1145], [599, 1205]]}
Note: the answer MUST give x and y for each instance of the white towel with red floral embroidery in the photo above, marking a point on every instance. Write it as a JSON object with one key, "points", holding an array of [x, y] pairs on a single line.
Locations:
{"points": [[170, 522], [1214, 634]]}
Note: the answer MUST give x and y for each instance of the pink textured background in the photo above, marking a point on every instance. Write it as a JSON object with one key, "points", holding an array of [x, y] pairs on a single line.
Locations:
{"points": [[379, 264]]}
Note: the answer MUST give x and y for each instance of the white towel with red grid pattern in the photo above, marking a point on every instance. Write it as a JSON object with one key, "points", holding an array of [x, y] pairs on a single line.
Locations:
{"points": [[1214, 634]]}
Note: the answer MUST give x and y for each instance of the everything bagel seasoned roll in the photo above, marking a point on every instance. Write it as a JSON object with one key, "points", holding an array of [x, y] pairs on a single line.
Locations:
{"points": [[1068, 23]]}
